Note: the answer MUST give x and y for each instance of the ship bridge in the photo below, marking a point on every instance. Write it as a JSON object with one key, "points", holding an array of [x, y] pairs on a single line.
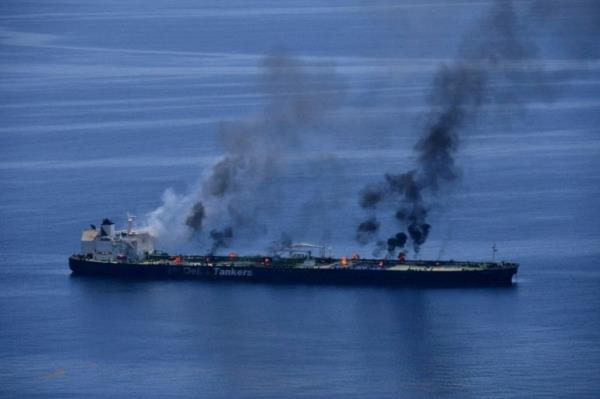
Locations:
{"points": [[106, 244]]}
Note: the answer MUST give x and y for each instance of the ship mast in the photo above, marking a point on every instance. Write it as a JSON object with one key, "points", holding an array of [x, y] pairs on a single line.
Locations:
{"points": [[494, 250]]}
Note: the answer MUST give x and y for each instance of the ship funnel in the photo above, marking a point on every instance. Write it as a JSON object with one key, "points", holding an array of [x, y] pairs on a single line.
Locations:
{"points": [[130, 223], [107, 228]]}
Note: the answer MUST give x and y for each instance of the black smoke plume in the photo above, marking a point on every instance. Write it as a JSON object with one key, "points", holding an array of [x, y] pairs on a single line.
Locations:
{"points": [[194, 220], [220, 239], [366, 230], [242, 190], [397, 241], [458, 91]]}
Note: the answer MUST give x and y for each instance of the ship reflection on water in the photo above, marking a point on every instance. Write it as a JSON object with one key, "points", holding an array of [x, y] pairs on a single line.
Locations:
{"points": [[261, 340]]}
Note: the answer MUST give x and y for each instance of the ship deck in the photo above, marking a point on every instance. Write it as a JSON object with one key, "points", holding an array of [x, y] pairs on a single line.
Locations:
{"points": [[328, 263]]}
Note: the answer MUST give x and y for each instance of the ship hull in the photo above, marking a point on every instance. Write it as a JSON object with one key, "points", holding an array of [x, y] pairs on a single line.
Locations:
{"points": [[295, 275]]}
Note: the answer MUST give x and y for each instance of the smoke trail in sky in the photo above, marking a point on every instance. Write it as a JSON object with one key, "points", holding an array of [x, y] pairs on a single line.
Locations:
{"points": [[497, 48]]}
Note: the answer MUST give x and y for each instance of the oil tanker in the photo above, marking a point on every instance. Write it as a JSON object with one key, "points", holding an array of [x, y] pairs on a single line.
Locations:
{"points": [[130, 254]]}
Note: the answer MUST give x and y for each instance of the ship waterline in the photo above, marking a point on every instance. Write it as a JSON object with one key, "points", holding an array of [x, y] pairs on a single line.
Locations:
{"points": [[422, 273]]}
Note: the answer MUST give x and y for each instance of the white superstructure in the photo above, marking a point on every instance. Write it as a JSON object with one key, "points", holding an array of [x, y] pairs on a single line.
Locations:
{"points": [[107, 245]]}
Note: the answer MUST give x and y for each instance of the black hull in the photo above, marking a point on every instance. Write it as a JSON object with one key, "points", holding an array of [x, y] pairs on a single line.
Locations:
{"points": [[338, 276]]}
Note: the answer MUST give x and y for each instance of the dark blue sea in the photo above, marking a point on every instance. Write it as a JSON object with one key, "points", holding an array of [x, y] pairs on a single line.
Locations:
{"points": [[105, 106]]}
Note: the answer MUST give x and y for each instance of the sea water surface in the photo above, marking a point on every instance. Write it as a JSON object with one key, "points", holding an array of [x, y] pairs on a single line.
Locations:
{"points": [[106, 105]]}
